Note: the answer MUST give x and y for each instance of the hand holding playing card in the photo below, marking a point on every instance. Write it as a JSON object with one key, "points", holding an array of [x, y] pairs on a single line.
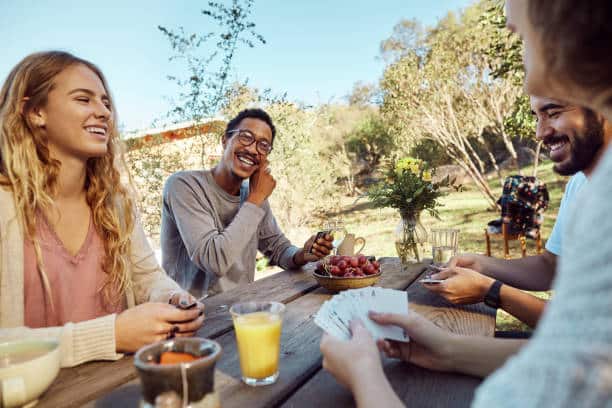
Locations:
{"points": [[348, 360], [430, 346], [335, 315]]}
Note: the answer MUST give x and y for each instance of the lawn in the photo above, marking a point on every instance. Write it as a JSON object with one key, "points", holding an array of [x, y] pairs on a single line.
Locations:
{"points": [[466, 210]]}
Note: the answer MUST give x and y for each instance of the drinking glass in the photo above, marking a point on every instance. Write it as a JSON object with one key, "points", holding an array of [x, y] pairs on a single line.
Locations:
{"points": [[337, 229], [444, 244], [258, 332]]}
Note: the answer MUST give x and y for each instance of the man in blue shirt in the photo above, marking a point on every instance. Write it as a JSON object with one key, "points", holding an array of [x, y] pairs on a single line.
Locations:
{"points": [[575, 137]]}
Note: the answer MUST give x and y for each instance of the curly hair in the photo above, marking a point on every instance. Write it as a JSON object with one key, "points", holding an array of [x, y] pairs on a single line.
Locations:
{"points": [[576, 40], [29, 171]]}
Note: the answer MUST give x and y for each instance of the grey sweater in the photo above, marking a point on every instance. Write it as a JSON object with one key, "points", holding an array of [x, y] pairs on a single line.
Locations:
{"points": [[568, 363], [209, 240]]}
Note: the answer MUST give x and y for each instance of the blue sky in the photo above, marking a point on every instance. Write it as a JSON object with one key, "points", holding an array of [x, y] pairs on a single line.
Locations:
{"points": [[316, 50]]}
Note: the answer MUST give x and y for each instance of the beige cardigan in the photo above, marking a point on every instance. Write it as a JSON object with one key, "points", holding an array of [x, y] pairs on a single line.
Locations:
{"points": [[83, 341]]}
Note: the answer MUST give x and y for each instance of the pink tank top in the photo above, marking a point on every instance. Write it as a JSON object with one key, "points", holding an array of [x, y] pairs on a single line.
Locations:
{"points": [[75, 280]]}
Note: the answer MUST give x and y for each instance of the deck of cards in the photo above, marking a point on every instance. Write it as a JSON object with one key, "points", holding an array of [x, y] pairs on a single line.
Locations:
{"points": [[335, 315]]}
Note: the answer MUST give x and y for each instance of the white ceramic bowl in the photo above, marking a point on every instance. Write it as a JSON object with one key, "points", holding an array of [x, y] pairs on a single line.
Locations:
{"points": [[21, 383]]}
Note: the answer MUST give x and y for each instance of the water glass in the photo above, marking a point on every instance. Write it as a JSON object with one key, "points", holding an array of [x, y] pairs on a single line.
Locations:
{"points": [[444, 244]]}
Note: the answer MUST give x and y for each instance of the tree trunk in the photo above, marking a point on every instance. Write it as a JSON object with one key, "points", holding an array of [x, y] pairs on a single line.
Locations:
{"points": [[496, 167], [476, 158], [536, 160], [463, 160], [512, 151]]}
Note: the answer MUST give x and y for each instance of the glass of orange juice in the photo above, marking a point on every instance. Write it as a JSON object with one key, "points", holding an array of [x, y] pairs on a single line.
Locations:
{"points": [[258, 331]]}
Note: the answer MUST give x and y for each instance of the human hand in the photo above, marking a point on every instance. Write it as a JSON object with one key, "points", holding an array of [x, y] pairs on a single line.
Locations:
{"points": [[461, 286], [429, 346], [261, 183], [471, 261], [348, 360], [315, 250], [151, 322], [184, 300]]}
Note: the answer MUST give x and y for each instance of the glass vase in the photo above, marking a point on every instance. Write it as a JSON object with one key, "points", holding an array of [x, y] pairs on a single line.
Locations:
{"points": [[410, 237]]}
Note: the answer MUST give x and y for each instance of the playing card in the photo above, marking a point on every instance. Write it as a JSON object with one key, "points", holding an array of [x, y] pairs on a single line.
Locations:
{"points": [[390, 301], [335, 315]]}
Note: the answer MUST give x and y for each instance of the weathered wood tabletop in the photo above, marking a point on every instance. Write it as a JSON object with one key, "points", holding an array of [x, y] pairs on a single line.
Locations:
{"points": [[302, 382]]}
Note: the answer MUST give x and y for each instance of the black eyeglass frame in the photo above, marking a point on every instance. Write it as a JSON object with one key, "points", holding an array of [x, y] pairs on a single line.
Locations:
{"points": [[242, 132]]}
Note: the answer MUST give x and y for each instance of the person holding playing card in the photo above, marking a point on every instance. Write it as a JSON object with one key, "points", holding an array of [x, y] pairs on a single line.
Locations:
{"points": [[568, 362], [215, 220], [576, 137]]}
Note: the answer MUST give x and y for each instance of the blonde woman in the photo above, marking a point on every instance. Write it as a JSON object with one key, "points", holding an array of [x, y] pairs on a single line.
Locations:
{"points": [[74, 261]]}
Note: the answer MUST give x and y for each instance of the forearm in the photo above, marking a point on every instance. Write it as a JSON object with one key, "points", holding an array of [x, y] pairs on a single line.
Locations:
{"points": [[524, 306], [480, 356], [375, 391], [529, 273], [79, 342]]}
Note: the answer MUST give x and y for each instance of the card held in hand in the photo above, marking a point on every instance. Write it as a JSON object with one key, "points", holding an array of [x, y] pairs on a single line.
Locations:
{"points": [[335, 315]]}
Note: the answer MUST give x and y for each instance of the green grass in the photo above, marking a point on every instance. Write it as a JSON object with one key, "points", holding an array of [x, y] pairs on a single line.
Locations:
{"points": [[466, 210]]}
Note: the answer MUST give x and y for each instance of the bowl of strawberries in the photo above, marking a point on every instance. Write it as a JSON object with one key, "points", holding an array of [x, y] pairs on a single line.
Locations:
{"points": [[341, 272]]}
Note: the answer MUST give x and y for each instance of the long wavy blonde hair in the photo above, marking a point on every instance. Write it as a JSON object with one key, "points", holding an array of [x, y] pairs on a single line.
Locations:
{"points": [[27, 168]]}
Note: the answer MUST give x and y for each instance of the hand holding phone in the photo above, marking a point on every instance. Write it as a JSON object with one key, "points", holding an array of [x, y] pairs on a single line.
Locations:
{"points": [[320, 234], [430, 281]]}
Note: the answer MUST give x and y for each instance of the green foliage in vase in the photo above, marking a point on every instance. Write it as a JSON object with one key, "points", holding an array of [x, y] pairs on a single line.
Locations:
{"points": [[408, 186]]}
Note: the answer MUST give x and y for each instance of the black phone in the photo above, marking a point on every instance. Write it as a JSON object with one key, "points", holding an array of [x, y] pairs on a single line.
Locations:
{"points": [[320, 234]]}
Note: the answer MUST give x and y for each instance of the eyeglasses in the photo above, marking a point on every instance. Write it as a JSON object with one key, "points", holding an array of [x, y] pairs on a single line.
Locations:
{"points": [[247, 138]]}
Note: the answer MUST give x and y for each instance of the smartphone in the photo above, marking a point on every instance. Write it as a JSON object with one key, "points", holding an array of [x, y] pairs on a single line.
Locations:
{"points": [[320, 234], [431, 281]]}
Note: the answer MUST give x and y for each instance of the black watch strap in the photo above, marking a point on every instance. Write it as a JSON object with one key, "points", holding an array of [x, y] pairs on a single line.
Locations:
{"points": [[492, 297]]}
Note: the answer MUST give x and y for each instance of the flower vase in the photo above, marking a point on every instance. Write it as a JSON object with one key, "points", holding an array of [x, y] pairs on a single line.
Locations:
{"points": [[410, 237]]}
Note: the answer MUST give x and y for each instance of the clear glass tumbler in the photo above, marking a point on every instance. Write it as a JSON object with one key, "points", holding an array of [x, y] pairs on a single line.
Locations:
{"points": [[444, 244]]}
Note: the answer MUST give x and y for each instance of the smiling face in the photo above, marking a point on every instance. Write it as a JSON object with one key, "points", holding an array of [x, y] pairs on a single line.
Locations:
{"points": [[76, 117], [575, 136], [242, 160]]}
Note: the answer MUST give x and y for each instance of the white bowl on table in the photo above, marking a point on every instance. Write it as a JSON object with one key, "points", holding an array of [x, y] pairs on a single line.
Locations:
{"points": [[27, 369]]}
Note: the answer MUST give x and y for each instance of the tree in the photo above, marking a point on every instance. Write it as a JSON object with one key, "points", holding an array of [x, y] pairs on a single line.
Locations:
{"points": [[408, 37], [447, 95], [459, 84], [504, 51], [204, 85], [370, 141], [363, 94]]}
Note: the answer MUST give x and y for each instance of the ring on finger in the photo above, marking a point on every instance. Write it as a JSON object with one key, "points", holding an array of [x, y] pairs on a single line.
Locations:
{"points": [[175, 329]]}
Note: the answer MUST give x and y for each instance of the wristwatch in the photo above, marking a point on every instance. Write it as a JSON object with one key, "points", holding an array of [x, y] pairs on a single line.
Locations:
{"points": [[492, 298]]}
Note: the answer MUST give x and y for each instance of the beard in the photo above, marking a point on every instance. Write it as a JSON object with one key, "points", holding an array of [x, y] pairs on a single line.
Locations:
{"points": [[584, 147]]}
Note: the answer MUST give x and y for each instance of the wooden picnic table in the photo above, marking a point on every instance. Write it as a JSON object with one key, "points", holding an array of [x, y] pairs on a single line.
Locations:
{"points": [[302, 382]]}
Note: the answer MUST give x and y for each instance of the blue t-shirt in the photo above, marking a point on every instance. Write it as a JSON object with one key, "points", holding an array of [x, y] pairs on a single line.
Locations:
{"points": [[574, 185]]}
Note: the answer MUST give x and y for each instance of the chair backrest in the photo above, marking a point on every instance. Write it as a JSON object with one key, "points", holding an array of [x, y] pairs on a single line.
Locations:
{"points": [[523, 201]]}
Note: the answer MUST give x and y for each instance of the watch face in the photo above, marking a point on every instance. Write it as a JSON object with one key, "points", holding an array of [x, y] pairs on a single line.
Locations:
{"points": [[489, 302]]}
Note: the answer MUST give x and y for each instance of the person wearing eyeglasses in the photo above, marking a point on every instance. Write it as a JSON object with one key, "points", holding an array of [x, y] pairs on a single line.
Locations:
{"points": [[214, 221]]}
